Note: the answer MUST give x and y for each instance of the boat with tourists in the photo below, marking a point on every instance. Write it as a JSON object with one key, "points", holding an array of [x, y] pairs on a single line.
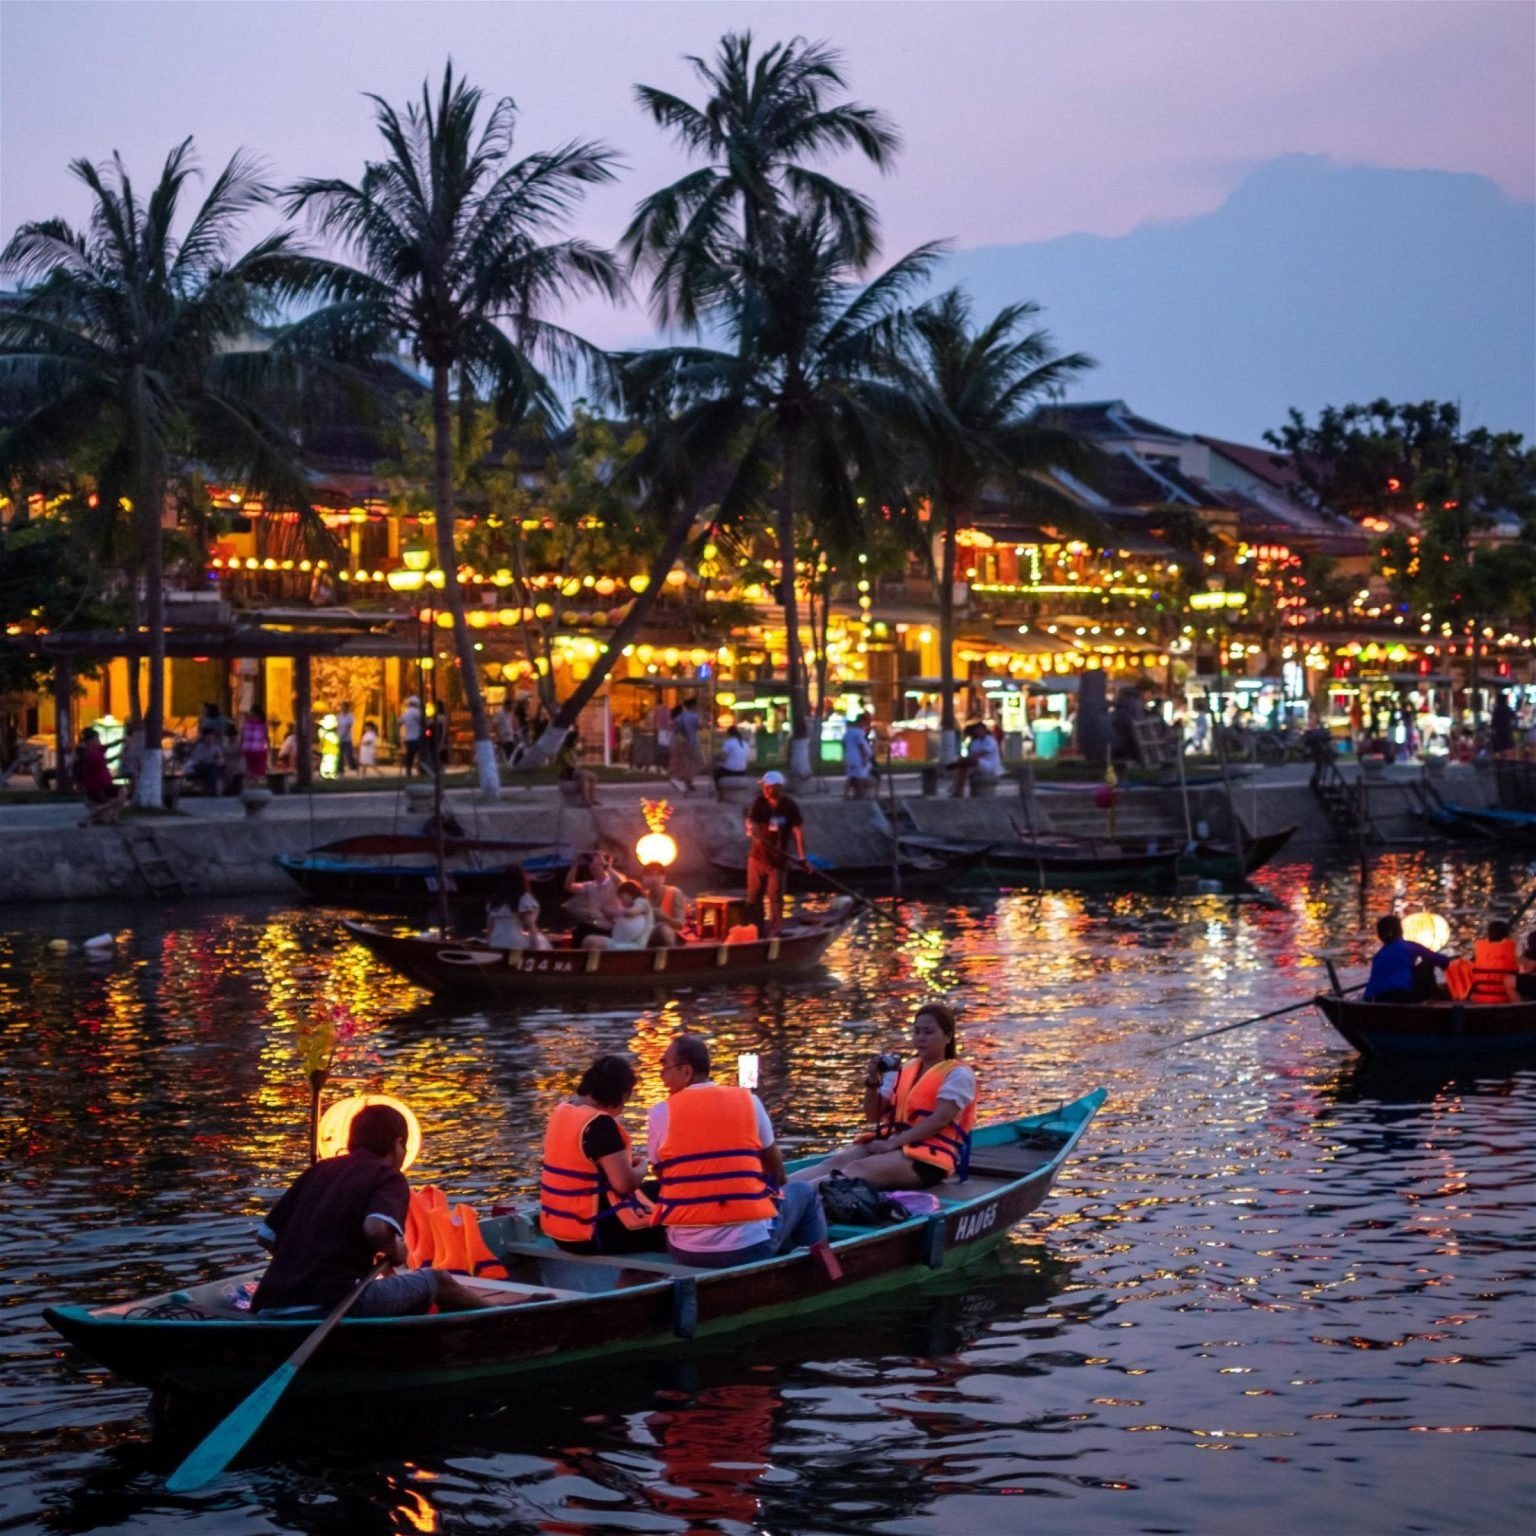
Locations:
{"points": [[198, 1342], [1442, 1028], [393, 870], [473, 969]]}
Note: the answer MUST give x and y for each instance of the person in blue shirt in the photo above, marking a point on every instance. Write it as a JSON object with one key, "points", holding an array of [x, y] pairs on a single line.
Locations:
{"points": [[1401, 971]]}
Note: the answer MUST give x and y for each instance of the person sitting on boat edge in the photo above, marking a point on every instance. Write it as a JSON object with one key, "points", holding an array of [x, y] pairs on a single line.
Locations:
{"points": [[632, 927], [1495, 966], [336, 1218], [924, 1113], [589, 1188], [722, 1195], [512, 915], [1401, 971]]}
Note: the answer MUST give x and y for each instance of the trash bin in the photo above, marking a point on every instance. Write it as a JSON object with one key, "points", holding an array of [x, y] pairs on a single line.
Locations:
{"points": [[1047, 739], [930, 782]]}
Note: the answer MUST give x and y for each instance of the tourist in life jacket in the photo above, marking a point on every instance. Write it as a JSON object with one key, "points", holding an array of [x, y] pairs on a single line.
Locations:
{"points": [[1401, 971], [721, 1176], [589, 1190], [1494, 967], [921, 1114], [336, 1218]]}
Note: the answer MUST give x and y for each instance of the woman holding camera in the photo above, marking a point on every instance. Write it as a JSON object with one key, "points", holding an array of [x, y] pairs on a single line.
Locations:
{"points": [[920, 1114]]}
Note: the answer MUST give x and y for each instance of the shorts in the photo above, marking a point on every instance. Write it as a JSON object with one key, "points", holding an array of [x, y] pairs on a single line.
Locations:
{"points": [[928, 1174], [405, 1292]]}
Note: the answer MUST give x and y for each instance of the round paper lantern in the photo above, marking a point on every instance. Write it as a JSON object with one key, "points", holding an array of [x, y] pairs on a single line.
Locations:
{"points": [[656, 848], [336, 1122], [1427, 928]]}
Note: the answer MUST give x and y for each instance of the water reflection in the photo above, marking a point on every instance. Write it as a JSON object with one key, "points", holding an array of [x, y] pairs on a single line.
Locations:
{"points": [[1268, 1256]]}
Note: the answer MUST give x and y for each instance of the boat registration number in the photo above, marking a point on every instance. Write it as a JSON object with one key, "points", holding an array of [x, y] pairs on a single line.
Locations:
{"points": [[545, 963], [974, 1223]]}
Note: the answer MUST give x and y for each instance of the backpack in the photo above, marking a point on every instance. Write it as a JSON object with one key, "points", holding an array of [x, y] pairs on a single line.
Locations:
{"points": [[857, 1203]]}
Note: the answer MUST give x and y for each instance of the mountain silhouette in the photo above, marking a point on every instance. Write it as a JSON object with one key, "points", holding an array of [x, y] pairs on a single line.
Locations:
{"points": [[1312, 284]]}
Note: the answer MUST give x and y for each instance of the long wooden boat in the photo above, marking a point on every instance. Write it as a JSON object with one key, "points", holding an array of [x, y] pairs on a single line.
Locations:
{"points": [[1073, 863], [1208, 859], [1431, 1029], [195, 1342], [392, 870], [1507, 828], [513, 976], [919, 869]]}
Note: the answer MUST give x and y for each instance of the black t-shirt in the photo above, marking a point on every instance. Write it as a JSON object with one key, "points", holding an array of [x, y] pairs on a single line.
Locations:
{"points": [[773, 826], [600, 1137], [318, 1225]]}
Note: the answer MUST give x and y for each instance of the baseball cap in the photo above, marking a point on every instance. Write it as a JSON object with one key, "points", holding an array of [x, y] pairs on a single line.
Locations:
{"points": [[773, 776]]}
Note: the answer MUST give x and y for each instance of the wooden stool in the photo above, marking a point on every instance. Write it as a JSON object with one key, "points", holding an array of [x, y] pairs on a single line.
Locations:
{"points": [[717, 915]]}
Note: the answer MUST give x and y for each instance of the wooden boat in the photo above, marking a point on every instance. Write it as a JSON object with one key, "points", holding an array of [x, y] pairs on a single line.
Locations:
{"points": [[400, 869], [197, 1343], [512, 976], [1079, 863], [1208, 859], [920, 869], [1508, 828], [1431, 1029]]}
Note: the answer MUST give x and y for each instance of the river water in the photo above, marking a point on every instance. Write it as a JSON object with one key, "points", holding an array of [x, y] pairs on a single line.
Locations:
{"points": [[1274, 1291]]}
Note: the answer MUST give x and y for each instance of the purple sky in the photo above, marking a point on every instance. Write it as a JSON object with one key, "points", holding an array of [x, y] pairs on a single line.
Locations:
{"points": [[1022, 121]]}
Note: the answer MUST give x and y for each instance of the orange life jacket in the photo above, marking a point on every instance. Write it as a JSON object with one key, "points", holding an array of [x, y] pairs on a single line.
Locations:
{"points": [[711, 1171], [917, 1097], [1492, 962], [574, 1192], [418, 1224]]}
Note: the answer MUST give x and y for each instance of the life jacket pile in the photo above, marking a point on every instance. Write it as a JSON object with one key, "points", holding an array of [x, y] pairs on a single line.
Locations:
{"points": [[917, 1097], [1492, 961], [709, 1160], [574, 1192], [438, 1238]]}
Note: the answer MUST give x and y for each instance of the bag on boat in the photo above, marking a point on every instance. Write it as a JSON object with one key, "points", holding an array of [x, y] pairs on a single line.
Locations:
{"points": [[857, 1203]]}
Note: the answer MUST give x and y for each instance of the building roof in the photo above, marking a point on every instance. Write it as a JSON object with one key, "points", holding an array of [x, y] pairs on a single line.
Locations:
{"points": [[1104, 419], [1263, 463]]}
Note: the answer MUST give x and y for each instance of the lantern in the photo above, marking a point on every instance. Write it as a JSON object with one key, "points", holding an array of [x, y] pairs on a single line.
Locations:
{"points": [[656, 846], [1427, 928], [336, 1123]]}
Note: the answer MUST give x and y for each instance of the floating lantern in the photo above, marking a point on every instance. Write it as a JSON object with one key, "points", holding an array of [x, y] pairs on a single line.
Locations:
{"points": [[656, 846], [1427, 928], [336, 1124]]}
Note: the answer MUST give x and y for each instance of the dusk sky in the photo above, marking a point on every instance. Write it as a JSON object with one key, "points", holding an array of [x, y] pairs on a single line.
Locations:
{"points": [[1022, 122]]}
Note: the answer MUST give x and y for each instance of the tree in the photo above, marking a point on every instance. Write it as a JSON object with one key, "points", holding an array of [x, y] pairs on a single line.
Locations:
{"points": [[457, 251], [127, 342], [726, 243], [977, 387]]}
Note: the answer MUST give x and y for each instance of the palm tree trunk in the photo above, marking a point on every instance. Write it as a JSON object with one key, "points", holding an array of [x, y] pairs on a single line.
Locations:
{"points": [[949, 732], [486, 770], [799, 709], [565, 717], [149, 791]]}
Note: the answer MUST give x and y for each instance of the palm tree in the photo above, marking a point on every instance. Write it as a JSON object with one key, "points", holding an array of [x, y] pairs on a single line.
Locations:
{"points": [[726, 246], [127, 342], [978, 386], [455, 240]]}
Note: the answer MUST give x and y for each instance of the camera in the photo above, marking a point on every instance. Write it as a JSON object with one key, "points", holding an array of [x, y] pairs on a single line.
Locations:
{"points": [[888, 1062]]}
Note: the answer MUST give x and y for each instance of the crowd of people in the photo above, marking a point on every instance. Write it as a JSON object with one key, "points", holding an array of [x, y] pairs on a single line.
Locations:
{"points": [[710, 1192]]}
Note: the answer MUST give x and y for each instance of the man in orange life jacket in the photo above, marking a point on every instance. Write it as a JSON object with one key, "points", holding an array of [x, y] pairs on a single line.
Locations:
{"points": [[1494, 967], [336, 1218], [720, 1173]]}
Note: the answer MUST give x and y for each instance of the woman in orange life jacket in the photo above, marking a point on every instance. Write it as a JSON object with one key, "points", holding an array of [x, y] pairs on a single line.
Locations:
{"points": [[589, 1200], [1494, 967], [923, 1114]]}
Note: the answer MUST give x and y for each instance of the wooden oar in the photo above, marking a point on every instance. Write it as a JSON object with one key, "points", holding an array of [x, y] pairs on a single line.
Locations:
{"points": [[862, 900], [233, 1433], [1258, 1018]]}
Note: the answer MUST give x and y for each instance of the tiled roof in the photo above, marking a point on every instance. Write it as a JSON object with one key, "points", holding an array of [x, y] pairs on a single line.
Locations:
{"points": [[1104, 419], [1264, 463]]}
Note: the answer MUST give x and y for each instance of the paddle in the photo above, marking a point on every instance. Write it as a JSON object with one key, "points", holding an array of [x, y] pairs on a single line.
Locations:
{"points": [[232, 1433], [1258, 1018], [863, 901]]}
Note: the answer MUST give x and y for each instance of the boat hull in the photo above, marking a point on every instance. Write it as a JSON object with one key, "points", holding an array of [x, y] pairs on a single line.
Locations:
{"points": [[928, 873], [1448, 1029], [458, 1353], [1222, 861], [515, 976], [1045, 866]]}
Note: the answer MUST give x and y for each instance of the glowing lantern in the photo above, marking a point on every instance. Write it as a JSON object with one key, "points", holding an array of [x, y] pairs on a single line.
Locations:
{"points": [[1427, 928], [656, 846], [336, 1123]]}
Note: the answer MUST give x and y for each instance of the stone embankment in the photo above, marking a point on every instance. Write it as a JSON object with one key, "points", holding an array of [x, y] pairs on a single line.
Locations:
{"points": [[211, 848]]}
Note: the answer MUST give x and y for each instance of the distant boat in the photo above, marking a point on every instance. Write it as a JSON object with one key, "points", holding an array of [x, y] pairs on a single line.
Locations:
{"points": [[392, 870], [920, 869], [1441, 1029], [196, 1343], [1516, 828], [515, 976], [1208, 859]]}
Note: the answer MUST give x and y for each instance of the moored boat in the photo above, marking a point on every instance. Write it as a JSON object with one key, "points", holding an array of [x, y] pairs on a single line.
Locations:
{"points": [[1072, 863], [513, 976], [1232, 863], [1431, 1029], [197, 1343], [916, 869]]}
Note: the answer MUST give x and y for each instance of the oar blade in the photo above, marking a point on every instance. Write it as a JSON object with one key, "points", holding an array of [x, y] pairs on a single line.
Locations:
{"points": [[231, 1434]]}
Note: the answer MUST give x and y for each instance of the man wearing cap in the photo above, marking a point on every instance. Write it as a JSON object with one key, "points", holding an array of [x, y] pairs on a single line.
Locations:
{"points": [[775, 828]]}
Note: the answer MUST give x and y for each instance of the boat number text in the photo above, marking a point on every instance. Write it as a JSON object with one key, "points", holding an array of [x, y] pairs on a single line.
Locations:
{"points": [[547, 964], [977, 1222]]}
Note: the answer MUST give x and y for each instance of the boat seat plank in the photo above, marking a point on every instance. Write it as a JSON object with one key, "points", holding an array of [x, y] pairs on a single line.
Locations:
{"points": [[653, 1265]]}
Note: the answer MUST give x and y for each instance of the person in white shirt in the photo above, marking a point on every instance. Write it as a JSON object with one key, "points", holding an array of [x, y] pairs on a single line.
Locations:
{"points": [[858, 760], [700, 1117], [982, 759], [633, 924], [732, 763]]}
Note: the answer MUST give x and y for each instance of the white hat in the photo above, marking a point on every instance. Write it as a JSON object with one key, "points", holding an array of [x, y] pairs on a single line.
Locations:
{"points": [[773, 776]]}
